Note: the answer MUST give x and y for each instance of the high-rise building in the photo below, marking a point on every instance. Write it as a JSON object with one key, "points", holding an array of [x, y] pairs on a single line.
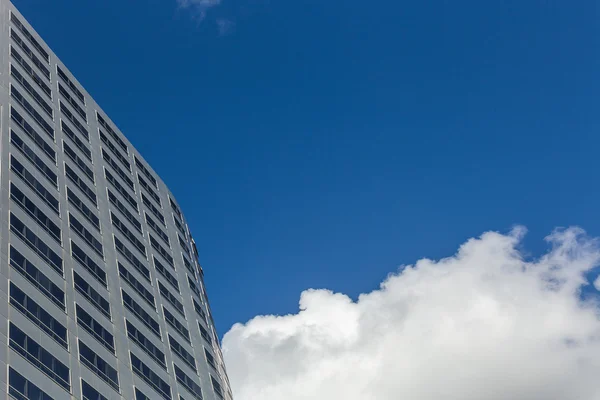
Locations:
{"points": [[102, 293]]}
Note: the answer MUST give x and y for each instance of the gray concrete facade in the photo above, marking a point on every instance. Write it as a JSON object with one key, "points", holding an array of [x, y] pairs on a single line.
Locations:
{"points": [[101, 292]]}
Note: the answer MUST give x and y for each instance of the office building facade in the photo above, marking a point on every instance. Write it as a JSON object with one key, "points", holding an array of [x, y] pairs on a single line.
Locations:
{"points": [[103, 297]]}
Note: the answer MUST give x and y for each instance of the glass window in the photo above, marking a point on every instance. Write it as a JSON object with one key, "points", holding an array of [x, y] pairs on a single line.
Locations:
{"points": [[81, 185], [161, 234], [89, 393], [112, 133], [78, 109], [115, 152], [75, 139], [29, 71], [123, 210], [39, 189], [98, 365], [34, 212], [137, 264], [132, 237], [182, 353], [160, 250], [166, 274], [153, 209], [188, 382], [34, 59], [86, 262], [136, 285], [31, 155], [122, 174], [174, 322], [33, 135], [20, 388], [69, 115], [145, 344], [85, 210], [81, 164], [150, 377], [41, 121], [95, 328], [145, 170], [30, 37], [70, 84], [86, 235], [140, 313], [95, 298], [122, 191], [173, 300], [36, 244], [31, 90]]}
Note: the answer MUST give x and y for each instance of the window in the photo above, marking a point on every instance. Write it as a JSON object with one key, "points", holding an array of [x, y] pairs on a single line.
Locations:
{"points": [[122, 174], [20, 388], [94, 328], [210, 359], [122, 191], [30, 154], [161, 251], [141, 314], [89, 393], [175, 208], [39, 357], [29, 71], [216, 386], [78, 109], [118, 155], [70, 84], [33, 135], [132, 237], [140, 396], [199, 311], [36, 61], [19, 98], [137, 264], [86, 262], [112, 133], [174, 322], [136, 285], [145, 344], [75, 139], [34, 212], [83, 209], [36, 244], [163, 271], [86, 235], [205, 334], [123, 210], [193, 287], [69, 115], [148, 189], [85, 189], [153, 209], [34, 184], [94, 362], [183, 245], [188, 383], [150, 377], [29, 37], [32, 92], [182, 353], [37, 315], [145, 170], [161, 234], [78, 161], [91, 295], [37, 278], [173, 300], [179, 226], [188, 265]]}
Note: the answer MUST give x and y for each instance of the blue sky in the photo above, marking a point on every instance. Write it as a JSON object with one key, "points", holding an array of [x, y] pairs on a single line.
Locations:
{"points": [[319, 145]]}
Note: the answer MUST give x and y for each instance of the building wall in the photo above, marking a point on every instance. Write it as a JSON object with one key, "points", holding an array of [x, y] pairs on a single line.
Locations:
{"points": [[34, 211]]}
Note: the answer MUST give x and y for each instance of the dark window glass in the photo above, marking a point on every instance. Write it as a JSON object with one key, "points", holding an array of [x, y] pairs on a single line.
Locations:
{"points": [[145, 171], [182, 353], [145, 344], [153, 209], [174, 322], [137, 264], [20, 388], [188, 265], [31, 155], [83, 166], [173, 300], [150, 377], [149, 190], [122, 191], [36, 314], [140, 396], [156, 228], [85, 210], [86, 262], [123, 210], [179, 226], [39, 357], [30, 37], [36, 244], [19, 98], [183, 245], [81, 185], [34, 212], [89, 393], [69, 115], [91, 295], [166, 274], [193, 287], [115, 152], [204, 333], [75, 139], [98, 365], [37, 278], [122, 174], [34, 59], [216, 386], [31, 90], [199, 310], [160, 250], [132, 237], [136, 285], [34, 184], [175, 208], [112, 133], [86, 235], [29, 71], [70, 84], [140, 313], [188, 383], [33, 135], [95, 328], [78, 109], [210, 359]]}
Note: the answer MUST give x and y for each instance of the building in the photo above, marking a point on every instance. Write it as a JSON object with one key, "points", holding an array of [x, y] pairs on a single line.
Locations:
{"points": [[102, 293]]}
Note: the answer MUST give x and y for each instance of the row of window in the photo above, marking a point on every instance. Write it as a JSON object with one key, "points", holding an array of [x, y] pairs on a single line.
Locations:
{"points": [[29, 71], [38, 118], [70, 84], [75, 139], [78, 109], [32, 92], [16, 22], [115, 167], [25, 49]]}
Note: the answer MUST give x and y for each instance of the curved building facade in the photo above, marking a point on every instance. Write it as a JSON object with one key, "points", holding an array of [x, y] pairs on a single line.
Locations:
{"points": [[103, 297]]}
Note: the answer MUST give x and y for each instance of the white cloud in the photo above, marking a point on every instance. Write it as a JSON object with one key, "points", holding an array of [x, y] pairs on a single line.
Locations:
{"points": [[199, 6], [481, 325]]}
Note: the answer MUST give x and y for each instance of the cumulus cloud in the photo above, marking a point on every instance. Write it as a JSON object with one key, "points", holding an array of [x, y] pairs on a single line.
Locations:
{"points": [[483, 324]]}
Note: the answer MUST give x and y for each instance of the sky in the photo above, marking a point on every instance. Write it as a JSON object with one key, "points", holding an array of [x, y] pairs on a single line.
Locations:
{"points": [[315, 145]]}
